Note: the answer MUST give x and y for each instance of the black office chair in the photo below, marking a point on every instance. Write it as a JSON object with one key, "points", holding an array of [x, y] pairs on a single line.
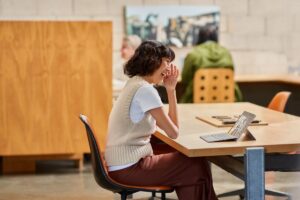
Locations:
{"points": [[101, 174]]}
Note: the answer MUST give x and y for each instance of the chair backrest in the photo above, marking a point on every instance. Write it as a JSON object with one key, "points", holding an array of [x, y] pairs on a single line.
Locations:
{"points": [[98, 162], [279, 101], [213, 85]]}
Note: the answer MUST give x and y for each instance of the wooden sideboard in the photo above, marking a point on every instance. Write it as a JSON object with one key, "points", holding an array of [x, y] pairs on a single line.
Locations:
{"points": [[50, 72]]}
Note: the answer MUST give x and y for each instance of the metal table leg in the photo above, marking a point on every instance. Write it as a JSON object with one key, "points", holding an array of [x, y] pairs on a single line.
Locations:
{"points": [[254, 166]]}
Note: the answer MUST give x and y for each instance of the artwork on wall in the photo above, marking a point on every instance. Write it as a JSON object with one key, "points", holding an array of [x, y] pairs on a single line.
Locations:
{"points": [[173, 25]]}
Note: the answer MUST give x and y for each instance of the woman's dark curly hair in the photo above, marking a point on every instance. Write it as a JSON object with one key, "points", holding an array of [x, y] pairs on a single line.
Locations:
{"points": [[147, 58]]}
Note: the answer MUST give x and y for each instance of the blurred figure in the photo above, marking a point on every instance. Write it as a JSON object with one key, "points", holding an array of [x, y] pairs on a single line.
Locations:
{"points": [[129, 45], [207, 54]]}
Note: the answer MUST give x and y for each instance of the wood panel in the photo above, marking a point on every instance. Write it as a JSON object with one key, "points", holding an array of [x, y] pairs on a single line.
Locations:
{"points": [[49, 73]]}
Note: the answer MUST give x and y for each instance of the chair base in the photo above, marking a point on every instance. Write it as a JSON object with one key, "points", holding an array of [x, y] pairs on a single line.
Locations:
{"points": [[163, 196], [241, 193], [126, 195]]}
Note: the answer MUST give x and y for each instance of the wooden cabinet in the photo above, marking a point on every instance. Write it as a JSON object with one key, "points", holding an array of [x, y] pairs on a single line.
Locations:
{"points": [[50, 72]]}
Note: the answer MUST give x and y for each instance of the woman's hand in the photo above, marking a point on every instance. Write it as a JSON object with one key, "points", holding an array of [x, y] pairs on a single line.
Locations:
{"points": [[170, 79]]}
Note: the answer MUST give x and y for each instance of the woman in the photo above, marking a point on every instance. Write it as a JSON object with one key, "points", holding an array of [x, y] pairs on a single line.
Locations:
{"points": [[133, 119]]}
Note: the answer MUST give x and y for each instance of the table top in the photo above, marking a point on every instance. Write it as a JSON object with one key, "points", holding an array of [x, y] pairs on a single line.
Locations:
{"points": [[289, 79], [282, 134]]}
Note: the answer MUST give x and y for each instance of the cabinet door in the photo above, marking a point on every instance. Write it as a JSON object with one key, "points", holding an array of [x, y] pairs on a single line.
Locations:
{"points": [[50, 72]]}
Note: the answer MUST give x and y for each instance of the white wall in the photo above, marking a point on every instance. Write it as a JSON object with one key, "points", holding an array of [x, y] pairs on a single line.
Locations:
{"points": [[263, 35]]}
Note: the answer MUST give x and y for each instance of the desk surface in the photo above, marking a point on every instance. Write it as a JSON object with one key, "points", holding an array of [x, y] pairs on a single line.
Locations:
{"points": [[281, 135], [290, 79]]}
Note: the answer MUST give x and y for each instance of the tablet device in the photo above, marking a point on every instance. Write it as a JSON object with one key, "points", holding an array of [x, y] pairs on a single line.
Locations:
{"points": [[235, 132]]}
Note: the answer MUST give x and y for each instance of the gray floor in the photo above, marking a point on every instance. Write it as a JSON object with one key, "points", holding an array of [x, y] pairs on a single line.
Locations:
{"points": [[61, 181]]}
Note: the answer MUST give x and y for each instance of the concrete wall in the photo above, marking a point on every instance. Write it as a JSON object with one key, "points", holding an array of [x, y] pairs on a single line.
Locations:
{"points": [[263, 35]]}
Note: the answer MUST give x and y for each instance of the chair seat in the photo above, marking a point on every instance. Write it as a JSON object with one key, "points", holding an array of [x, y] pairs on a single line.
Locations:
{"points": [[151, 188], [157, 188]]}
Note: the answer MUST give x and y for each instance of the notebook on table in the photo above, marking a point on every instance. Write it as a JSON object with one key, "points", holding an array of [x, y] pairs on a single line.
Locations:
{"points": [[227, 121], [235, 132]]}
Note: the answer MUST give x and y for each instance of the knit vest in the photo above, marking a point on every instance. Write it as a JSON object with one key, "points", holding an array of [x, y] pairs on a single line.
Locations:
{"points": [[128, 142]]}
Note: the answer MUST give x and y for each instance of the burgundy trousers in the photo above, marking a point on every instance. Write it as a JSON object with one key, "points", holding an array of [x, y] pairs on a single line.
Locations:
{"points": [[191, 177]]}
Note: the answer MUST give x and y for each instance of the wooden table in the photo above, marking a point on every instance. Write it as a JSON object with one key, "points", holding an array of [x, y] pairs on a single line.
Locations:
{"points": [[281, 135], [283, 78]]}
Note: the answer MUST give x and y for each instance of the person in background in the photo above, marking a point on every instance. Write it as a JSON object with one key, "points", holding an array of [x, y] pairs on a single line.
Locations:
{"points": [[129, 45], [133, 119], [207, 54]]}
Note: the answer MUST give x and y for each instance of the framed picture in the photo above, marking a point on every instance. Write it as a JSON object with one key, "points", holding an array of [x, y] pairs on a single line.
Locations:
{"points": [[173, 25]]}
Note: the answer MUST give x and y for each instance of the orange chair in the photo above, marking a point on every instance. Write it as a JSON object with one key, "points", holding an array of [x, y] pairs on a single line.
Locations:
{"points": [[279, 101], [101, 174]]}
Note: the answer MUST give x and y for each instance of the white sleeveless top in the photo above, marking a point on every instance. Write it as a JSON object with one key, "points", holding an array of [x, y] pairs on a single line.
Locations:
{"points": [[128, 141], [145, 99]]}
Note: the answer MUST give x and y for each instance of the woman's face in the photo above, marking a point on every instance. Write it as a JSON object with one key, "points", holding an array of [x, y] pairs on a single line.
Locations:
{"points": [[161, 72]]}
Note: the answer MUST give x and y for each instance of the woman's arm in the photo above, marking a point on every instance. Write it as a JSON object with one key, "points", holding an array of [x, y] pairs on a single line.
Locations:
{"points": [[164, 122], [169, 123], [170, 82]]}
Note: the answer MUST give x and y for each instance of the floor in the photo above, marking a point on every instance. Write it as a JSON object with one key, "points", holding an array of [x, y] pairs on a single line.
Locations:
{"points": [[61, 181]]}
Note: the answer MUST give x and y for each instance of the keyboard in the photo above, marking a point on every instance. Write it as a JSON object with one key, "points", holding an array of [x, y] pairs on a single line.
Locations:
{"points": [[218, 137]]}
